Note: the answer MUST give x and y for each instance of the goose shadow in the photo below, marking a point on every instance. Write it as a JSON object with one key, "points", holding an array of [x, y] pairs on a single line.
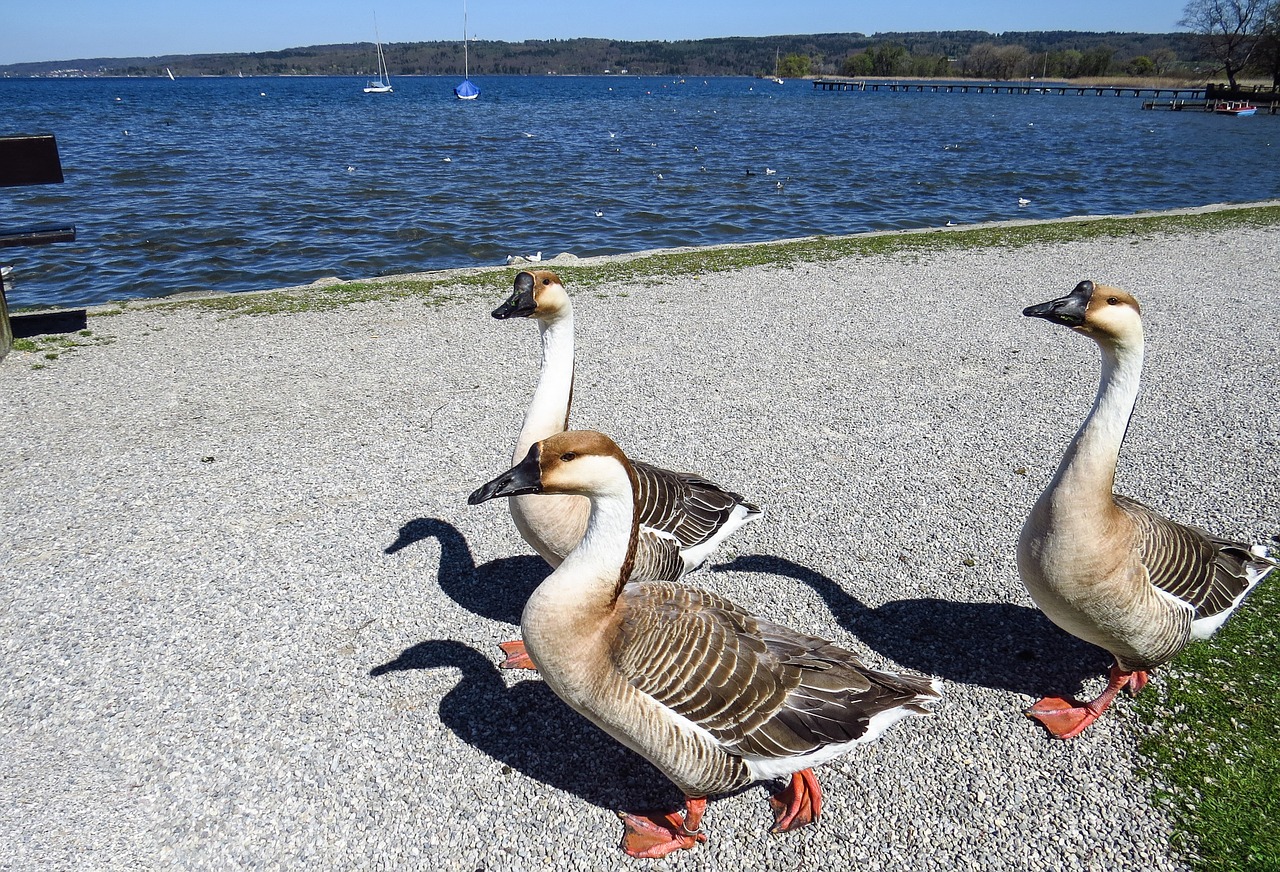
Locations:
{"points": [[997, 645], [496, 590], [529, 729]]}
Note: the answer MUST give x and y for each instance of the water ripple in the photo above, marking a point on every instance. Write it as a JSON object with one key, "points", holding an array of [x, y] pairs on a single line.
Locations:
{"points": [[241, 184]]}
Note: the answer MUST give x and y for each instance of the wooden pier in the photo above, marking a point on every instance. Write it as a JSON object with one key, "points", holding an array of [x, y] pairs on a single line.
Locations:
{"points": [[1264, 107], [1010, 88]]}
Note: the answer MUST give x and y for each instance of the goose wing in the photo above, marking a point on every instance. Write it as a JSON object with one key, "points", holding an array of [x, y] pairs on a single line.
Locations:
{"points": [[657, 556], [683, 506], [1209, 573], [760, 689]]}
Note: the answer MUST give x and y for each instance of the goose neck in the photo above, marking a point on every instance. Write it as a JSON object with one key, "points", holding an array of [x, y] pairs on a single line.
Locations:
{"points": [[548, 413], [1089, 465], [587, 584], [557, 338]]}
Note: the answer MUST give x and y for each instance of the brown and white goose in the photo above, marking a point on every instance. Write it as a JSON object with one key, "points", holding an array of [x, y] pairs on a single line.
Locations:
{"points": [[1102, 566], [683, 516], [713, 696]]}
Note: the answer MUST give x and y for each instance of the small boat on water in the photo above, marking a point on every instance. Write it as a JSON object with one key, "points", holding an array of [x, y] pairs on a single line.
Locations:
{"points": [[1234, 107], [776, 79], [382, 84], [467, 89]]}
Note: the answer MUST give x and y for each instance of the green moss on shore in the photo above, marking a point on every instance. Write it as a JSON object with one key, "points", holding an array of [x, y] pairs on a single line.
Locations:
{"points": [[663, 266]]}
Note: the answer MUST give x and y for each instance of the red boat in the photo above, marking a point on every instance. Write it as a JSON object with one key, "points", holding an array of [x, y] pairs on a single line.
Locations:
{"points": [[1234, 107]]}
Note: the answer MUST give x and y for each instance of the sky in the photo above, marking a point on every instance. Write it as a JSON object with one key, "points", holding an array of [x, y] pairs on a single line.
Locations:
{"points": [[73, 29]]}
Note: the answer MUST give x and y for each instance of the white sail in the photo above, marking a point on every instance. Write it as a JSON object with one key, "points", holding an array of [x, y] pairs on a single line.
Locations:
{"points": [[382, 84]]}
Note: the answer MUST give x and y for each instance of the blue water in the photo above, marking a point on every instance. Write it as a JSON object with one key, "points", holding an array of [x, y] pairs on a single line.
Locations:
{"points": [[241, 184]]}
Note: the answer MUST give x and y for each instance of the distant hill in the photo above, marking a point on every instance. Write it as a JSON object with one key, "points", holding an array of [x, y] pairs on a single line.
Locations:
{"points": [[822, 53]]}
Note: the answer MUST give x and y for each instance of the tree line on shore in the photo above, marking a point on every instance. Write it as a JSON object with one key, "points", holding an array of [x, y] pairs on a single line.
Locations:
{"points": [[959, 54]]}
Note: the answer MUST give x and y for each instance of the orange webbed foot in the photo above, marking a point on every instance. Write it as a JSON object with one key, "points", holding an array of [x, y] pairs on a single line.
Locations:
{"points": [[1137, 681], [517, 657], [1066, 719], [1063, 718], [797, 804], [648, 836]]}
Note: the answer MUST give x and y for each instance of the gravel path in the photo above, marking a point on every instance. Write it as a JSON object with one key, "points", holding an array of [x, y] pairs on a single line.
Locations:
{"points": [[248, 620]]}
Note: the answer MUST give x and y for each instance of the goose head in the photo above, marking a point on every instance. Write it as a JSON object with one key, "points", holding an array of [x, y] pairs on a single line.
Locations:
{"points": [[574, 462], [537, 294], [1103, 313]]}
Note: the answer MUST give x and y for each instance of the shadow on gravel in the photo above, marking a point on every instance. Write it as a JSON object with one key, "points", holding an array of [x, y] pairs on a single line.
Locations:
{"points": [[996, 645], [528, 728], [497, 590]]}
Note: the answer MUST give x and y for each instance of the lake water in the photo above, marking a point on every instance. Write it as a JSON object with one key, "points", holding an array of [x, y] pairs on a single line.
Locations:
{"points": [[243, 184]]}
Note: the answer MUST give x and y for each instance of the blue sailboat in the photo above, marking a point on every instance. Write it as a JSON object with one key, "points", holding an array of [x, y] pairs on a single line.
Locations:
{"points": [[467, 89]]}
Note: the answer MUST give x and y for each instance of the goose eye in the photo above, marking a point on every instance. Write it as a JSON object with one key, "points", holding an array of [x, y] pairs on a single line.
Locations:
{"points": [[567, 456], [1113, 301]]}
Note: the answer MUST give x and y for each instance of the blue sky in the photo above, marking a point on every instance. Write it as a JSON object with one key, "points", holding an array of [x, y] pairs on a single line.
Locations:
{"points": [[67, 29]]}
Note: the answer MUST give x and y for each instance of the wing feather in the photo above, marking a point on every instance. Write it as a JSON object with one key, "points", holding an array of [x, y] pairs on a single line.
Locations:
{"points": [[1205, 571], [683, 505], [761, 689]]}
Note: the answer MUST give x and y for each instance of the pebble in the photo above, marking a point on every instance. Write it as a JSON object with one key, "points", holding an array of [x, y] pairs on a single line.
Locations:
{"points": [[213, 657]]}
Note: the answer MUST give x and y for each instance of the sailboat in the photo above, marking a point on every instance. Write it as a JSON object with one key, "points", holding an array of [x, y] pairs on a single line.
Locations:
{"points": [[466, 90], [777, 80], [170, 73], [382, 84]]}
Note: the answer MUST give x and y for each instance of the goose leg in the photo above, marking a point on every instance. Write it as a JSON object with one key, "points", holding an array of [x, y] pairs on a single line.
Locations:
{"points": [[657, 834], [797, 804], [1066, 719], [517, 657]]}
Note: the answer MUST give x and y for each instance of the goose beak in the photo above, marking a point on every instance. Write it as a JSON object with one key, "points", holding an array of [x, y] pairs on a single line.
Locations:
{"points": [[521, 303], [523, 478], [1067, 311]]}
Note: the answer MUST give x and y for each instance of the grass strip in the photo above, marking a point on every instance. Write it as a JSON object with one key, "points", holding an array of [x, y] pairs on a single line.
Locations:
{"points": [[1211, 741]]}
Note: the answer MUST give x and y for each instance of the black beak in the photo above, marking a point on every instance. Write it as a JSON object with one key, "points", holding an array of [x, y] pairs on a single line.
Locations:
{"points": [[523, 478], [521, 303], [1068, 311]]}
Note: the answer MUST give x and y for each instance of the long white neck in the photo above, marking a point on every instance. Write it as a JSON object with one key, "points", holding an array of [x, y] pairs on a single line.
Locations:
{"points": [[578, 598], [548, 413], [1088, 467], [603, 549]]}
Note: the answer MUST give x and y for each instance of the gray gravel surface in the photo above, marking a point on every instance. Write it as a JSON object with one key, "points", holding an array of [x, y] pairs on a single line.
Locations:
{"points": [[248, 621]]}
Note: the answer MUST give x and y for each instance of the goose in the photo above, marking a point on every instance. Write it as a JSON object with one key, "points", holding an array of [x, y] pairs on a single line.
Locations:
{"points": [[714, 697], [1105, 567], [683, 516]]}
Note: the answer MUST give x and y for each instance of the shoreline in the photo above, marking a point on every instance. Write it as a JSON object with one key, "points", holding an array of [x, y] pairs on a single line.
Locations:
{"points": [[250, 619], [563, 260]]}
